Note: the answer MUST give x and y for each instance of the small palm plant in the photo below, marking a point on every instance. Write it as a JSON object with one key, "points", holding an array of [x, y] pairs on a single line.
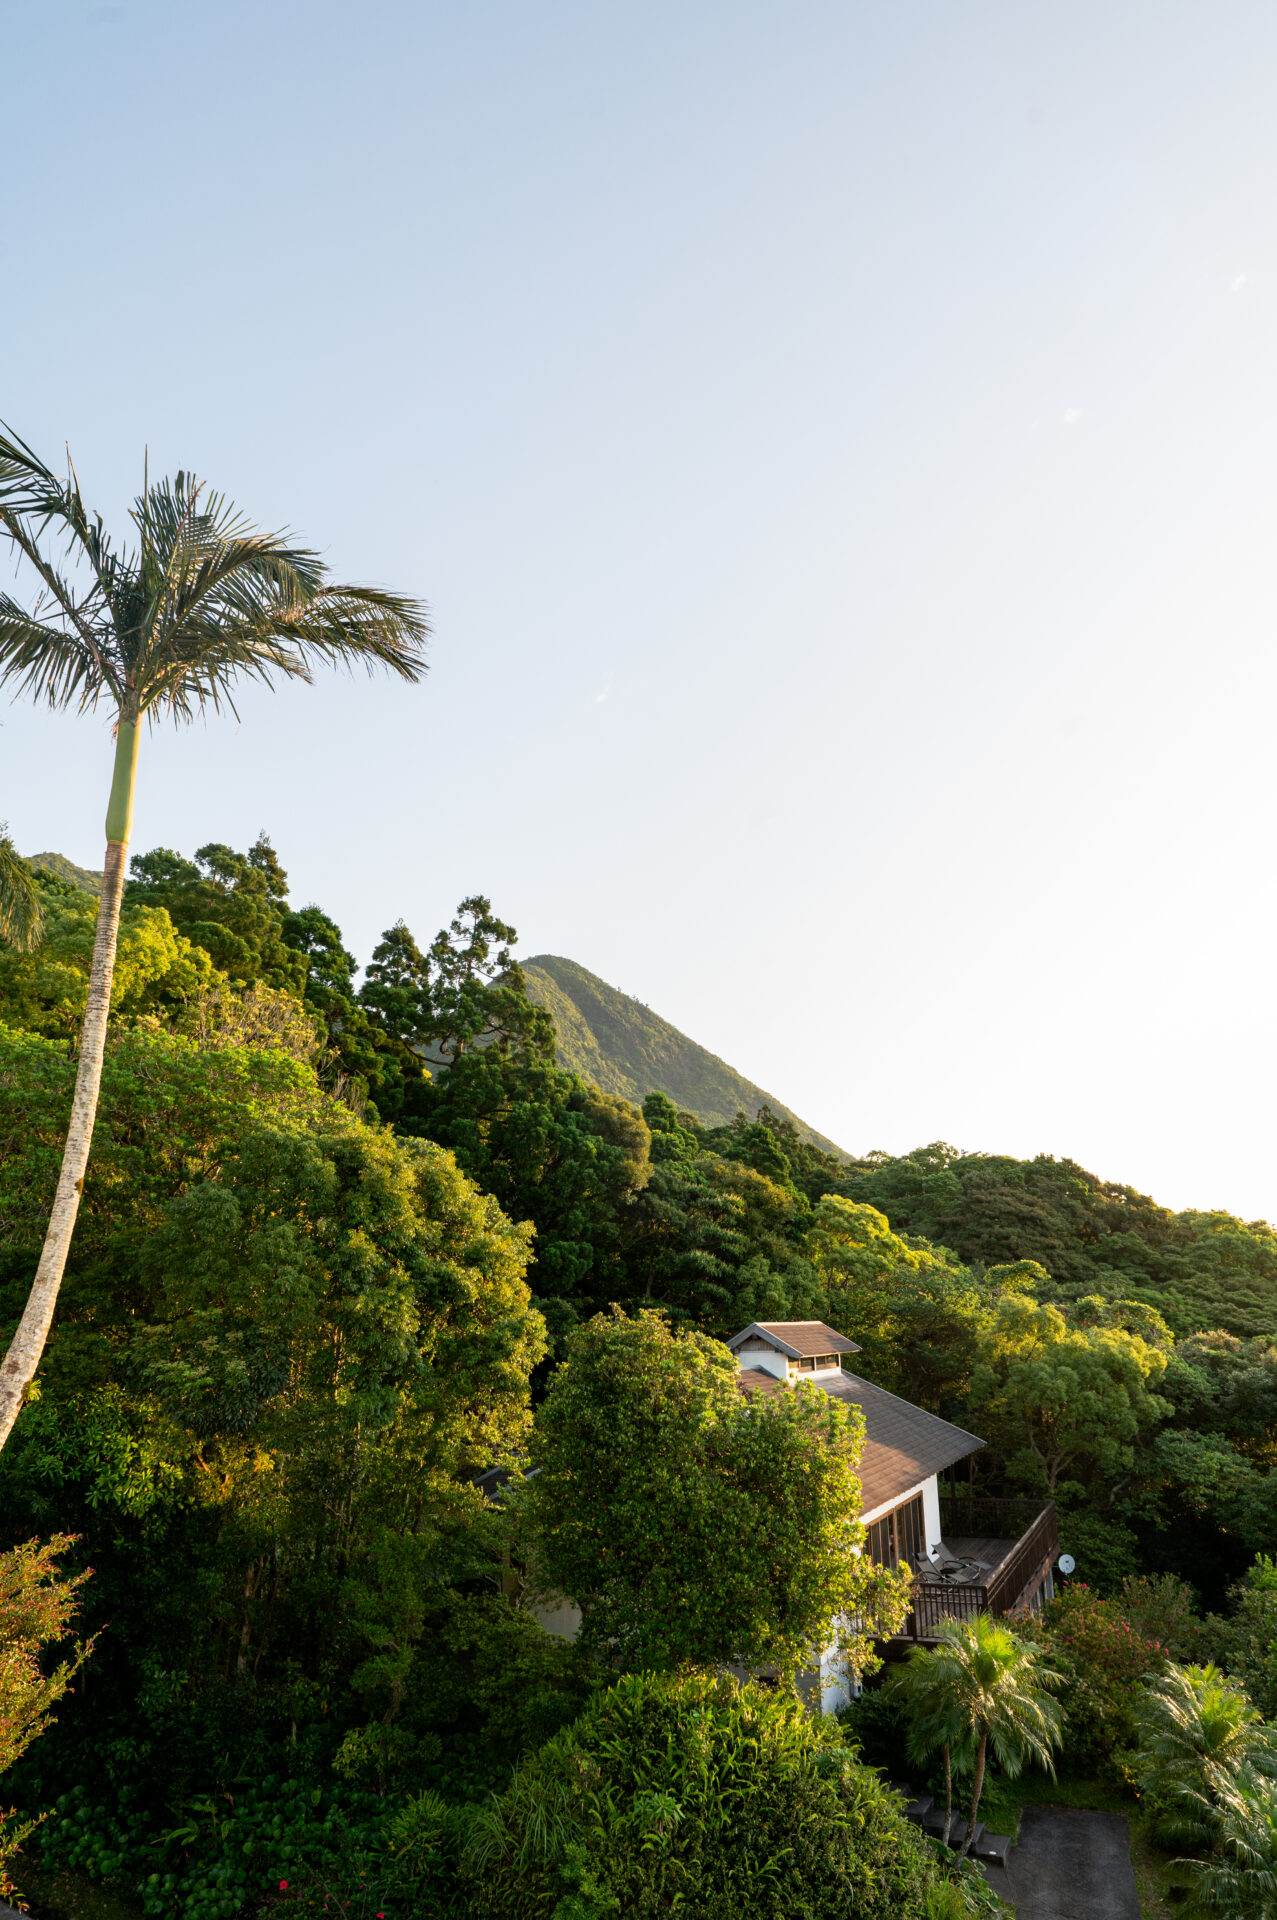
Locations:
{"points": [[160, 629], [1195, 1730], [988, 1689], [1240, 1877], [21, 911]]}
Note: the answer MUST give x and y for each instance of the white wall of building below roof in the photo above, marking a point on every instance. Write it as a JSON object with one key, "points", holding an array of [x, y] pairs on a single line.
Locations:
{"points": [[766, 1359], [557, 1616], [931, 1511]]}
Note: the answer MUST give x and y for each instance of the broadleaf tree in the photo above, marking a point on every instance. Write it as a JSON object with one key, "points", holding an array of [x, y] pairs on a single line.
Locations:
{"points": [[691, 1524]]}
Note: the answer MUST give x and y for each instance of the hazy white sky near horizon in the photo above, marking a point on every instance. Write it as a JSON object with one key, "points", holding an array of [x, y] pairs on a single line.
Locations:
{"points": [[839, 446]]}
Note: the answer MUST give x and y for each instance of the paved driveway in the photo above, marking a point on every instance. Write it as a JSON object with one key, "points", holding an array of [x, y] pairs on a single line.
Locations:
{"points": [[1069, 1865]]}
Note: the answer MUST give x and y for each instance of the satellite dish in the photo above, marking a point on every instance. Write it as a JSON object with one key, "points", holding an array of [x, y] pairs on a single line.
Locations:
{"points": [[1066, 1563]]}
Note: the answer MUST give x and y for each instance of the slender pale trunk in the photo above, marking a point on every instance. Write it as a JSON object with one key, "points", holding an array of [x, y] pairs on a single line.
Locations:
{"points": [[27, 1345], [976, 1790], [948, 1794]]}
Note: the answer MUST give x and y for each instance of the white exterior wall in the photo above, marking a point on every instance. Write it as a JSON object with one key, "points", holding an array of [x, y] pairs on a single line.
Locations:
{"points": [[557, 1616], [931, 1511], [756, 1354]]}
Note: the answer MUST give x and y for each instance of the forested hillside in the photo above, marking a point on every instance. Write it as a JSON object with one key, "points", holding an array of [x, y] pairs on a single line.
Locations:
{"points": [[318, 1287], [64, 869], [625, 1048]]}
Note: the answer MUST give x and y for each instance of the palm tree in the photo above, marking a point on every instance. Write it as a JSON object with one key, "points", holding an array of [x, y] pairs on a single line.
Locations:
{"points": [[1196, 1730], [988, 1688], [21, 911], [163, 628], [923, 1687]]}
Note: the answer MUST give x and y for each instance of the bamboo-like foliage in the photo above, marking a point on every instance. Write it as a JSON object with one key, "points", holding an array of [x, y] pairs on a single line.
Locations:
{"points": [[1240, 1879], [21, 910], [163, 627], [1196, 1730]]}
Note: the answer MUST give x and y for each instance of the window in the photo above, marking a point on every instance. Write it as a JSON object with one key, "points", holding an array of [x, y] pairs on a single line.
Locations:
{"points": [[899, 1535]]}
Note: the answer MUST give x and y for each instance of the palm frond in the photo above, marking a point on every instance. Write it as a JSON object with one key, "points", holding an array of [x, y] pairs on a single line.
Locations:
{"points": [[21, 908], [26, 484], [239, 632], [51, 662], [206, 600]]}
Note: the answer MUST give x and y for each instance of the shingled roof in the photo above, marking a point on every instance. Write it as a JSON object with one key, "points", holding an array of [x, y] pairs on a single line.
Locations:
{"points": [[800, 1339], [904, 1445]]}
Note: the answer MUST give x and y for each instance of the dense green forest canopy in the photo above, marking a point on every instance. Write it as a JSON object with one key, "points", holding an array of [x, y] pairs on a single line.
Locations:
{"points": [[344, 1239]]}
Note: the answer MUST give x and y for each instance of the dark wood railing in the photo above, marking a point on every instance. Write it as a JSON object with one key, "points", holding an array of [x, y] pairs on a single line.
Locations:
{"points": [[1008, 1586]]}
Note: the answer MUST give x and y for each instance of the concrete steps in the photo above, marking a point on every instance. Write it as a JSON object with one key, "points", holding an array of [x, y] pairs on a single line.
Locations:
{"points": [[993, 1847], [924, 1813]]}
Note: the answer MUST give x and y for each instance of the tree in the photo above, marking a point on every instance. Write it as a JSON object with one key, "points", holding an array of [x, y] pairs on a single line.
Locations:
{"points": [[461, 995], [983, 1686], [916, 1314], [691, 1524], [1065, 1401], [287, 1342], [231, 904], [923, 1687], [1247, 1639], [554, 1151], [163, 629], [1201, 1270], [21, 910], [156, 970]]}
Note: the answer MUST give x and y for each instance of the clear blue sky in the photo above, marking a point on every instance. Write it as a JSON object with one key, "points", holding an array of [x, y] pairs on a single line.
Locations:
{"points": [[839, 445]]}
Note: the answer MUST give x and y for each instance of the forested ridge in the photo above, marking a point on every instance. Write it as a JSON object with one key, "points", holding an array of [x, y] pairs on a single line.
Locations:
{"points": [[622, 1046], [342, 1226]]}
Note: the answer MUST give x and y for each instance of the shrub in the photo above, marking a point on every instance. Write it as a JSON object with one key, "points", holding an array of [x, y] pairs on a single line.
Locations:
{"points": [[693, 1793], [877, 1729], [1239, 1877], [1103, 1660], [1160, 1608], [37, 1604]]}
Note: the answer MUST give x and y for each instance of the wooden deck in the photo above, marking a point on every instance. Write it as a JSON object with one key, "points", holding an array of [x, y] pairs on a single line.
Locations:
{"points": [[978, 1546], [1006, 1572]]}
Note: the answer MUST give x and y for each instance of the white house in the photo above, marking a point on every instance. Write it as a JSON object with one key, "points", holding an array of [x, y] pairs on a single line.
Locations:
{"points": [[905, 1451]]}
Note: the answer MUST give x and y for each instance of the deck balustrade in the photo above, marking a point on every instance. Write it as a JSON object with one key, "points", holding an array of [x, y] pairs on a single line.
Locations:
{"points": [[1027, 1530]]}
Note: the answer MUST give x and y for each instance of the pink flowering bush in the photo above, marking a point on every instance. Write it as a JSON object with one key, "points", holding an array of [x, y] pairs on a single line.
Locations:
{"points": [[1103, 1659]]}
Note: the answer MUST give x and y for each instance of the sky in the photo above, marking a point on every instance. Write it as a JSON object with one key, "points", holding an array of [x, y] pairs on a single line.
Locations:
{"points": [[838, 445]]}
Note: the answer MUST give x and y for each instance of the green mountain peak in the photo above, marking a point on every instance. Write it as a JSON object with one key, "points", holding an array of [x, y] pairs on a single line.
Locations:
{"points": [[625, 1048]]}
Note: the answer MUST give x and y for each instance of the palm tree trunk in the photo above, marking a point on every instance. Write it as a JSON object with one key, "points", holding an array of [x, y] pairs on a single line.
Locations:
{"points": [[948, 1794], [976, 1790], [28, 1343]]}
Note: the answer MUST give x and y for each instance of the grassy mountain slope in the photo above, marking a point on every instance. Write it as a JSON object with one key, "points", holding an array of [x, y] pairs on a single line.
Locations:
{"points": [[625, 1048], [64, 869]]}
